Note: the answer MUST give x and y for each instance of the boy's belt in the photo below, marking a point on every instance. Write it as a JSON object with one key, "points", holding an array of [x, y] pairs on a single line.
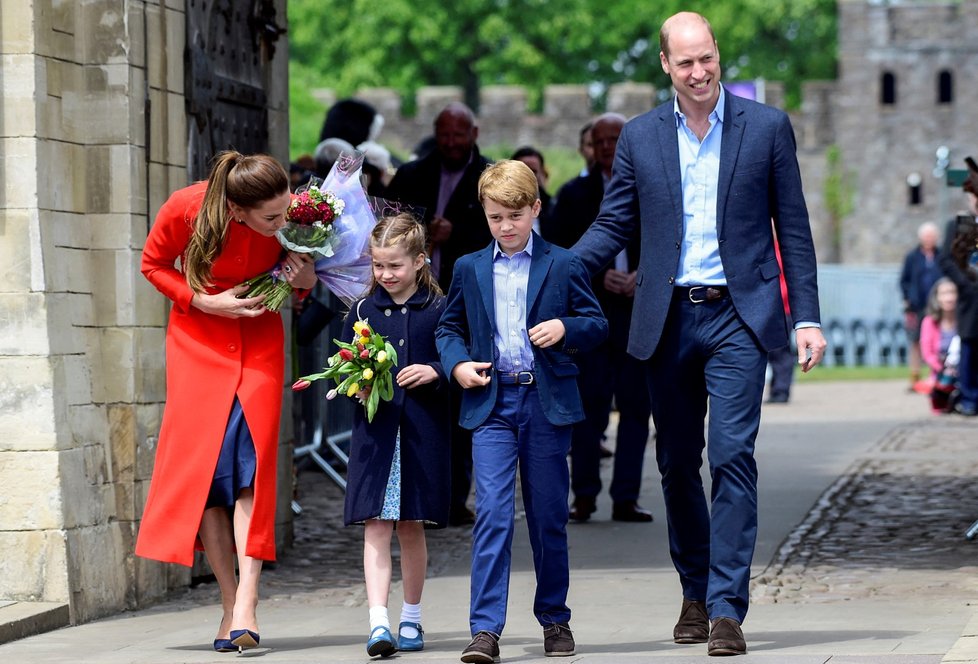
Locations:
{"points": [[518, 378]]}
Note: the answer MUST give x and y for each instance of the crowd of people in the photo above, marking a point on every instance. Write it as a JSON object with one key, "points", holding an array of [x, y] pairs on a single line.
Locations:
{"points": [[661, 282], [939, 283]]}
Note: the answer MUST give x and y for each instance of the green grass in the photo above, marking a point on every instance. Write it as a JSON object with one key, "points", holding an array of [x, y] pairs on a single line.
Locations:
{"points": [[824, 373]]}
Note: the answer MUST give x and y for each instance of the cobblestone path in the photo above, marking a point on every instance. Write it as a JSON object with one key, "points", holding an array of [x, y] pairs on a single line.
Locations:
{"points": [[326, 559], [904, 505]]}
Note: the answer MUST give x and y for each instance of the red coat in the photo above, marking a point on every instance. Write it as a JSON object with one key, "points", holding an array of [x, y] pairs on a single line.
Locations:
{"points": [[209, 359]]}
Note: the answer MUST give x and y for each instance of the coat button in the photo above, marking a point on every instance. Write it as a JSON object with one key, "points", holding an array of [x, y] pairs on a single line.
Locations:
{"points": [[403, 310], [238, 259], [387, 312], [672, 280], [401, 342], [232, 348]]}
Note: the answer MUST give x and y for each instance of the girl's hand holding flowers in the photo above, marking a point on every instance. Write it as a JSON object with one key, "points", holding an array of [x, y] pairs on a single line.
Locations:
{"points": [[361, 369]]}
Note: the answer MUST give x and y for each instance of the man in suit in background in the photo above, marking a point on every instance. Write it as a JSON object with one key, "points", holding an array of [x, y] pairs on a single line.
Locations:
{"points": [[700, 178], [606, 372], [445, 183]]}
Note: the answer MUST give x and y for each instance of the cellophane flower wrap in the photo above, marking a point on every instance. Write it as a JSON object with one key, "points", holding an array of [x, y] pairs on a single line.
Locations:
{"points": [[360, 368], [331, 220]]}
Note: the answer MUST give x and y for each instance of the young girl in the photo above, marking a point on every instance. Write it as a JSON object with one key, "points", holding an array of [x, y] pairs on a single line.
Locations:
{"points": [[398, 475], [938, 334]]}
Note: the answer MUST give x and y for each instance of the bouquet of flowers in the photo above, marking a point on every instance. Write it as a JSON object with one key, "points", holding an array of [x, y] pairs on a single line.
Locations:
{"points": [[361, 369], [332, 220], [308, 229]]}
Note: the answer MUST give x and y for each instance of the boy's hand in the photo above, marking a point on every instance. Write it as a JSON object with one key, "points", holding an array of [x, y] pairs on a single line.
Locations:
{"points": [[472, 374], [547, 333]]}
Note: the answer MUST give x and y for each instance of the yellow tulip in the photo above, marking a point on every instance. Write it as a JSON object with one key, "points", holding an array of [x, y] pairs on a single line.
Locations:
{"points": [[368, 374], [353, 389], [382, 356], [359, 326]]}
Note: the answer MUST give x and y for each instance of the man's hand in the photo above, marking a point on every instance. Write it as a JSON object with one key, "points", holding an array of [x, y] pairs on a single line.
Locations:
{"points": [[622, 283], [547, 333], [811, 347], [472, 374], [439, 230]]}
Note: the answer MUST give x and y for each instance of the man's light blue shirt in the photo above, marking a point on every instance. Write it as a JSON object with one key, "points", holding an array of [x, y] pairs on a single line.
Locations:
{"points": [[699, 168], [510, 275]]}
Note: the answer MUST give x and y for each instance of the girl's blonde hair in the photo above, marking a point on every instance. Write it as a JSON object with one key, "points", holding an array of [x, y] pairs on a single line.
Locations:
{"points": [[245, 180], [404, 231]]}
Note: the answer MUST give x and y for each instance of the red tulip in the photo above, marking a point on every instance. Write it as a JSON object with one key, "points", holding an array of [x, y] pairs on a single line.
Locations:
{"points": [[364, 354], [346, 354], [300, 384]]}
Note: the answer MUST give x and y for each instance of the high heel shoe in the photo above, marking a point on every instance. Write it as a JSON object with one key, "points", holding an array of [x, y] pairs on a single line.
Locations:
{"points": [[244, 639], [224, 645]]}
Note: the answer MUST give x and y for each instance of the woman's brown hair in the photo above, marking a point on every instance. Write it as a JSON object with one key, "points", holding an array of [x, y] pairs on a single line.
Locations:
{"points": [[405, 232], [245, 180]]}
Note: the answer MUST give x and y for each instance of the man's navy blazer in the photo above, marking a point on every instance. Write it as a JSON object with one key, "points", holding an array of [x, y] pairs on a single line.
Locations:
{"points": [[558, 287], [759, 181]]}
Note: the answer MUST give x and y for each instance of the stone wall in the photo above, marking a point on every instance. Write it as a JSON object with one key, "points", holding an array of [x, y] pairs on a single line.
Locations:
{"points": [[884, 144], [504, 118], [92, 140]]}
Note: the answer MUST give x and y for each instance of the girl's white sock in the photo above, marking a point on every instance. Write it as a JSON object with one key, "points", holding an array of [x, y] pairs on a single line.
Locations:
{"points": [[410, 613], [379, 618]]}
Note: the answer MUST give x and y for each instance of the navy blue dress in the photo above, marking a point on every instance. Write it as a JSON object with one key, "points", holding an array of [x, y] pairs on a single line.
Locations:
{"points": [[422, 415]]}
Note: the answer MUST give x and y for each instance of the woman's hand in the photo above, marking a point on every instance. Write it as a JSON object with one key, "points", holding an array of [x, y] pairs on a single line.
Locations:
{"points": [[299, 270], [227, 304], [415, 375]]}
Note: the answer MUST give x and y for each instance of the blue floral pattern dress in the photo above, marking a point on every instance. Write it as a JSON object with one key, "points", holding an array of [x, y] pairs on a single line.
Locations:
{"points": [[391, 511]]}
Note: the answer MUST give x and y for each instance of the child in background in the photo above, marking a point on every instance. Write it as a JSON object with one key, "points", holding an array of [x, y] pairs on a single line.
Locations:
{"points": [[938, 340], [398, 471], [517, 311]]}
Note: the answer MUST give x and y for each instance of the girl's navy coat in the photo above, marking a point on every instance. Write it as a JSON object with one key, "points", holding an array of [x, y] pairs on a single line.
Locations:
{"points": [[422, 413]]}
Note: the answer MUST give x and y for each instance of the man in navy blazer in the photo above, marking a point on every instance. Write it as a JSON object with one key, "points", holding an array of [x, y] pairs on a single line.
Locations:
{"points": [[700, 179]]}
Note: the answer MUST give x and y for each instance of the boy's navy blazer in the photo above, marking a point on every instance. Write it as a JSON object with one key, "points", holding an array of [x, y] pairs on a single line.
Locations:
{"points": [[558, 287]]}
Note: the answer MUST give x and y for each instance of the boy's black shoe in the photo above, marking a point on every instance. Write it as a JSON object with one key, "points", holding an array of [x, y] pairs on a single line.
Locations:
{"points": [[558, 640], [484, 647]]}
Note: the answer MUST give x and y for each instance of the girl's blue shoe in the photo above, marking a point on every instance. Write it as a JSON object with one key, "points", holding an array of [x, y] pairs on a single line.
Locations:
{"points": [[381, 643], [406, 644]]}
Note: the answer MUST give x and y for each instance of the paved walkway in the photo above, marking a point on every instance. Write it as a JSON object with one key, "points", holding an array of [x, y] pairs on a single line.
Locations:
{"points": [[864, 498]]}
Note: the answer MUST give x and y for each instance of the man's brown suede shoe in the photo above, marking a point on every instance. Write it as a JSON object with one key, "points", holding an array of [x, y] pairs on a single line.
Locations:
{"points": [[726, 638], [693, 625]]}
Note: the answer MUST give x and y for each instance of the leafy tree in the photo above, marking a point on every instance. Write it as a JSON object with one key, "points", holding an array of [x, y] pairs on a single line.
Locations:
{"points": [[406, 44]]}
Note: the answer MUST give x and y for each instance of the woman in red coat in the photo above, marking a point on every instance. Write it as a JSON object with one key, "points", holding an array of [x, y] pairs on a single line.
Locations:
{"points": [[213, 482]]}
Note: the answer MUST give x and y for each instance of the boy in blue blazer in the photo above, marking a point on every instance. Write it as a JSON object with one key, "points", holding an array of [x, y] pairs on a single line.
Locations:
{"points": [[515, 315]]}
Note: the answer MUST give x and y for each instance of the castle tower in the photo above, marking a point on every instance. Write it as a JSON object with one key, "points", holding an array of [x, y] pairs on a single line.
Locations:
{"points": [[905, 88]]}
